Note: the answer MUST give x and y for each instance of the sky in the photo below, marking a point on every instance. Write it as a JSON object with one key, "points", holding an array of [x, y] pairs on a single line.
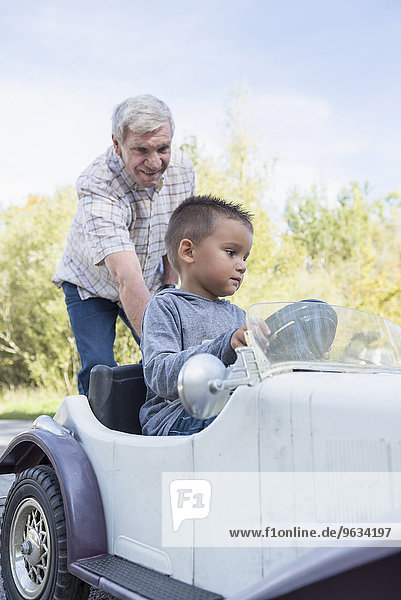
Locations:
{"points": [[324, 80]]}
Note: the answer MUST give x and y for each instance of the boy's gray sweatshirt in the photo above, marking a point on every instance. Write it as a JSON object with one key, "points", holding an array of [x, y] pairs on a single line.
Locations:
{"points": [[176, 325]]}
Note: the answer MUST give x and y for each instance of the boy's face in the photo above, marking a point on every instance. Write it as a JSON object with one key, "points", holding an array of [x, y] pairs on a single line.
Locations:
{"points": [[218, 264]]}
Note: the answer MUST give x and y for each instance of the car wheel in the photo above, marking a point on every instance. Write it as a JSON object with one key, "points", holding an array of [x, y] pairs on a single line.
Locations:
{"points": [[34, 541]]}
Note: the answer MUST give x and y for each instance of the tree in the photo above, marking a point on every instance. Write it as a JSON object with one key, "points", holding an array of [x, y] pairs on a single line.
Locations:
{"points": [[36, 345], [240, 176], [351, 245]]}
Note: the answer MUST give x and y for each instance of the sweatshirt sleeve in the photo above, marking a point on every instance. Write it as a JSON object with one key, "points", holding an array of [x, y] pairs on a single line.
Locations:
{"points": [[162, 351]]}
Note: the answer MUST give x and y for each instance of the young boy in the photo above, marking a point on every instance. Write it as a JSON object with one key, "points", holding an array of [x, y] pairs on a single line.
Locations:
{"points": [[208, 241]]}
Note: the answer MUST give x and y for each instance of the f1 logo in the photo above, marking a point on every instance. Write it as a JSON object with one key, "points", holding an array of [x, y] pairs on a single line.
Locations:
{"points": [[189, 499]]}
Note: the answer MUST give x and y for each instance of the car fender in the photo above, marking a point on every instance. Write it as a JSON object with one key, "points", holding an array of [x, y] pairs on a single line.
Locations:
{"points": [[84, 515]]}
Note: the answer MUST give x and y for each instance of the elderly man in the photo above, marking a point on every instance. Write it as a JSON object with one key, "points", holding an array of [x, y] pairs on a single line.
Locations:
{"points": [[115, 259]]}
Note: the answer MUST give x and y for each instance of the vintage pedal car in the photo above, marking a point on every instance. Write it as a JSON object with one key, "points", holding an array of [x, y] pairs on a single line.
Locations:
{"points": [[310, 436]]}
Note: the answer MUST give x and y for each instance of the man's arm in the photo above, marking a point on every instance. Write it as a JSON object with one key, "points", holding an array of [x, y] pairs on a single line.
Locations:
{"points": [[126, 271], [169, 275]]}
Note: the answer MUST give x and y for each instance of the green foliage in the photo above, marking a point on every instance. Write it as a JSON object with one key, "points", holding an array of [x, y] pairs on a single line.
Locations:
{"points": [[36, 345], [331, 234], [352, 245]]}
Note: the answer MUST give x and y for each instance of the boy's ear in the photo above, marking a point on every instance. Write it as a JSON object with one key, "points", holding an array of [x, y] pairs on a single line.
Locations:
{"points": [[186, 251]]}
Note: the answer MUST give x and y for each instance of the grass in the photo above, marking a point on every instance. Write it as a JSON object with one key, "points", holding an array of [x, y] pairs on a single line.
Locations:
{"points": [[29, 403]]}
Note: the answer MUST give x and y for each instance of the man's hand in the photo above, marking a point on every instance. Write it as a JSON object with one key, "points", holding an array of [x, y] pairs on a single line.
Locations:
{"points": [[126, 271]]}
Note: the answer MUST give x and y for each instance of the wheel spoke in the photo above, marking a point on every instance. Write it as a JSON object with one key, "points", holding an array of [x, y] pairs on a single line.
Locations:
{"points": [[30, 526]]}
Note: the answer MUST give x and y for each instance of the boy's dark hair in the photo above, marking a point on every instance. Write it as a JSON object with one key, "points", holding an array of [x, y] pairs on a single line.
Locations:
{"points": [[196, 219]]}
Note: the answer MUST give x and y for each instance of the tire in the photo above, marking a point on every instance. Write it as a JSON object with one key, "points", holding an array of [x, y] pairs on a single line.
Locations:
{"points": [[34, 541]]}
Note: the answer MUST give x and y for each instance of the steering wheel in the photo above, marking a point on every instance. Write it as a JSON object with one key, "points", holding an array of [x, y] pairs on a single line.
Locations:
{"points": [[302, 331]]}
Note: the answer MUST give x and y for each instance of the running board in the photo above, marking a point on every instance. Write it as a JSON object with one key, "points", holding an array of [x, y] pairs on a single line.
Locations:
{"points": [[129, 581]]}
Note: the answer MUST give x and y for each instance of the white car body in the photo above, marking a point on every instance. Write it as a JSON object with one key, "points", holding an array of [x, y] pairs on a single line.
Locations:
{"points": [[294, 418]]}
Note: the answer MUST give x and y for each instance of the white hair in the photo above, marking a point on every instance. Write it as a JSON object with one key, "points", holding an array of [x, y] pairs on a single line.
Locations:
{"points": [[141, 114]]}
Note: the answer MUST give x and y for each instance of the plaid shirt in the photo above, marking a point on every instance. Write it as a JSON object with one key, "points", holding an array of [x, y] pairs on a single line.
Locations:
{"points": [[114, 214]]}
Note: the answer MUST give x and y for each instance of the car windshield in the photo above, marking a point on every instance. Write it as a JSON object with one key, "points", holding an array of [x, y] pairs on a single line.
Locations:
{"points": [[313, 335]]}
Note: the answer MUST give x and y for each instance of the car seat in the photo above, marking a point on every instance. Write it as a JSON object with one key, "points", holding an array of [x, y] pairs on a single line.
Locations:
{"points": [[116, 395]]}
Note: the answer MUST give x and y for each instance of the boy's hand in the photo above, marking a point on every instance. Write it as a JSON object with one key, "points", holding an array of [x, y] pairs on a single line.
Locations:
{"points": [[262, 333], [238, 337]]}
